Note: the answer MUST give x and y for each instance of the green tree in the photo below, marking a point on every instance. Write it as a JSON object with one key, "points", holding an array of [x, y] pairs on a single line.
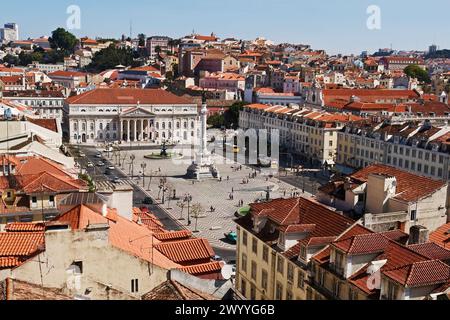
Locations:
{"points": [[216, 120], [110, 57], [415, 71], [231, 116], [11, 60], [63, 40], [142, 39]]}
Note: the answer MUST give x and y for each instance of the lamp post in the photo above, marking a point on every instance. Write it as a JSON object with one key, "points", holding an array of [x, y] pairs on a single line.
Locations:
{"points": [[188, 199], [132, 158], [143, 166]]}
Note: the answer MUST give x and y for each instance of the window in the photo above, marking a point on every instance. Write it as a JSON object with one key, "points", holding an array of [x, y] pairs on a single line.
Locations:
{"points": [[279, 291], [309, 294], [336, 288], [300, 279], [321, 277], [78, 267], [244, 238], [134, 285], [254, 270], [33, 202], [51, 201], [290, 272], [264, 279], [266, 254], [392, 291], [352, 295], [280, 265], [413, 215], [244, 263], [252, 292], [255, 246], [243, 287]]}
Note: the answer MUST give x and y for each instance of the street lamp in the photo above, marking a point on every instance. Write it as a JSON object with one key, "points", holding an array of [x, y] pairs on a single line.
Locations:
{"points": [[188, 199], [143, 166], [132, 158]]}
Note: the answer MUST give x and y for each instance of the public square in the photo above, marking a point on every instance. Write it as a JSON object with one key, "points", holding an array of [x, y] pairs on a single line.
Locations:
{"points": [[219, 199]]}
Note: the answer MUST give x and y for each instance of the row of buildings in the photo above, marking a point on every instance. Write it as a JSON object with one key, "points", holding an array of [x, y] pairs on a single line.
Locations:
{"points": [[306, 249]]}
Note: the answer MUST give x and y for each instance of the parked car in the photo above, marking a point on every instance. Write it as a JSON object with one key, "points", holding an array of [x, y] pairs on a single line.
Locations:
{"points": [[115, 179], [82, 155], [232, 237], [90, 165], [98, 155], [111, 168], [100, 164]]}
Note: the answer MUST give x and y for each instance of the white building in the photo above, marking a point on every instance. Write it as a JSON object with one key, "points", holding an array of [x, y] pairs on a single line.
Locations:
{"points": [[131, 115], [46, 104], [10, 32]]}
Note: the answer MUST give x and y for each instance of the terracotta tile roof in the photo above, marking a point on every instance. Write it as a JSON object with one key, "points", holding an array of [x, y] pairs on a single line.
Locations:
{"points": [[362, 244], [441, 236], [128, 96], [20, 244], [9, 262], [126, 235], [295, 228], [67, 74], [25, 227], [175, 235], [204, 268], [173, 290], [24, 291], [410, 187], [431, 250], [49, 124], [187, 250], [397, 236], [422, 273]]}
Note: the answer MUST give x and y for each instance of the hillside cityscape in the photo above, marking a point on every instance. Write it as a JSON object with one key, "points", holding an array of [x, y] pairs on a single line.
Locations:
{"points": [[221, 169]]}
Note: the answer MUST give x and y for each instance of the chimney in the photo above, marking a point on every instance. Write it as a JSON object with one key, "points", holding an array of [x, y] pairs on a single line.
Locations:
{"points": [[418, 235]]}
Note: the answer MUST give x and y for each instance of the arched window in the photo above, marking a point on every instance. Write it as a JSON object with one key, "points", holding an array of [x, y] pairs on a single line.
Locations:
{"points": [[163, 125], [83, 126], [192, 125], [178, 125], [101, 126]]}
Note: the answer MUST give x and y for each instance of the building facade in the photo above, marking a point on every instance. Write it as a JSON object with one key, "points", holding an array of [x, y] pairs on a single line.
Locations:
{"points": [[131, 116]]}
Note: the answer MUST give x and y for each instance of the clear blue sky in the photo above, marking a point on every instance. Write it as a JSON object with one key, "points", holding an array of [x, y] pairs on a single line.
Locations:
{"points": [[334, 25]]}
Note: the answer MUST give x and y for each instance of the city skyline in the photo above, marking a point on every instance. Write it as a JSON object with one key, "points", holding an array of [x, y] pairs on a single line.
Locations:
{"points": [[339, 27]]}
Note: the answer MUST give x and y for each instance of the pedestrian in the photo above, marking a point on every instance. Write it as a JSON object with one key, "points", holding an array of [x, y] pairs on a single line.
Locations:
{"points": [[228, 178], [232, 190]]}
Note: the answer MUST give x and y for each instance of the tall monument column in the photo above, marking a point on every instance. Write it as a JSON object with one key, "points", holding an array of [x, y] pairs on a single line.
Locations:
{"points": [[203, 166]]}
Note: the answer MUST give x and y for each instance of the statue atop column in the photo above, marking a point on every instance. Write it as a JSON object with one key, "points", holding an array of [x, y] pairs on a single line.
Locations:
{"points": [[203, 166]]}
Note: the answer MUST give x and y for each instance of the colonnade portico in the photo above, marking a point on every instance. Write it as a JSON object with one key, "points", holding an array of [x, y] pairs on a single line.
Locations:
{"points": [[132, 130]]}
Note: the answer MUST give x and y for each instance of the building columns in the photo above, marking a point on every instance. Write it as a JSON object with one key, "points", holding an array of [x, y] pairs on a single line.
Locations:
{"points": [[128, 130]]}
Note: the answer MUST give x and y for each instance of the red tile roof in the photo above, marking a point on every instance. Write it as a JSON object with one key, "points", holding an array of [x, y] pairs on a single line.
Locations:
{"points": [[20, 244], [187, 250], [362, 244], [431, 250], [410, 187], [199, 269], [25, 227], [423, 273], [128, 96], [441, 236], [9, 262], [174, 235], [49, 124]]}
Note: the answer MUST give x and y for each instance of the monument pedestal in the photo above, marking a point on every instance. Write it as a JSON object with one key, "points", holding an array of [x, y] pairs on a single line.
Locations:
{"points": [[203, 170]]}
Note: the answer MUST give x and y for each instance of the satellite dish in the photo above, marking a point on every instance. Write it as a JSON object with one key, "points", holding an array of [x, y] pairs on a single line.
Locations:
{"points": [[228, 271]]}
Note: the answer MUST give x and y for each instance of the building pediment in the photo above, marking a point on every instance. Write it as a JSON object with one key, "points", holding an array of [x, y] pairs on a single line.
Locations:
{"points": [[137, 113]]}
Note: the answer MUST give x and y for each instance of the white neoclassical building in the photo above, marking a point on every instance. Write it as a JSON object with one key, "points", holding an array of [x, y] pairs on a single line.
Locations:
{"points": [[131, 116]]}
